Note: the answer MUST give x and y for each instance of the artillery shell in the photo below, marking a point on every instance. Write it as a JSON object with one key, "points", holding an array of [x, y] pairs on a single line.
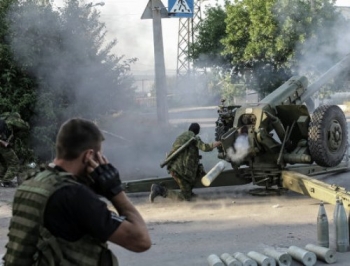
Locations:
{"points": [[262, 259], [341, 229], [322, 227], [246, 261], [213, 173], [229, 260], [282, 259], [336, 208], [306, 257], [325, 254], [214, 260], [335, 214]]}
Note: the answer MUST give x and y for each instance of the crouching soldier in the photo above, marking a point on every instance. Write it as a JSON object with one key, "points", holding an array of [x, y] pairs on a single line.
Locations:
{"points": [[185, 167]]}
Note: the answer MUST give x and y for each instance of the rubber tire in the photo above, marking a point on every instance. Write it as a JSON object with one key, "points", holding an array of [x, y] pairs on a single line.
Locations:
{"points": [[324, 150]]}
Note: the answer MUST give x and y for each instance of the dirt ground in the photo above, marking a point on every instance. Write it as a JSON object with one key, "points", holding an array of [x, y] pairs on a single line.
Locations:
{"points": [[220, 220]]}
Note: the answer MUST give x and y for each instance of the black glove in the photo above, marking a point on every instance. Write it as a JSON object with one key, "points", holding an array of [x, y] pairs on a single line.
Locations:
{"points": [[107, 181]]}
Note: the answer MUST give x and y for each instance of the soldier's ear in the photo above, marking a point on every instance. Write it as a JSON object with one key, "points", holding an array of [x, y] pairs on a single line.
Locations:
{"points": [[88, 154]]}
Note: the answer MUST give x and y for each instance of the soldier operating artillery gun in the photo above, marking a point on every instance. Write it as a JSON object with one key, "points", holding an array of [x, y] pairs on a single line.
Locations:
{"points": [[302, 138], [283, 137]]}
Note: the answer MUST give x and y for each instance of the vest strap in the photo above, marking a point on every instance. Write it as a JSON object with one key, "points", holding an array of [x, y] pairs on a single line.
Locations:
{"points": [[48, 250]]}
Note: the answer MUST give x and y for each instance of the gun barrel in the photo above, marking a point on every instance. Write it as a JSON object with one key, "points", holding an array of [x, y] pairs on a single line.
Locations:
{"points": [[331, 73], [175, 153]]}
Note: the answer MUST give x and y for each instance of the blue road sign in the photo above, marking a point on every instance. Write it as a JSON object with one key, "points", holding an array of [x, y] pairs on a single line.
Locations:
{"points": [[180, 8]]}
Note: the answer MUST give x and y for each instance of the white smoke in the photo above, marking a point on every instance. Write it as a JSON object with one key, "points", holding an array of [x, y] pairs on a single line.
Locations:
{"points": [[241, 149]]}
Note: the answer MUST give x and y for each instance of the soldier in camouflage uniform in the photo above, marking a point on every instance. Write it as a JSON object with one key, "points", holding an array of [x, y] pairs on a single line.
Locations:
{"points": [[9, 163], [185, 167]]}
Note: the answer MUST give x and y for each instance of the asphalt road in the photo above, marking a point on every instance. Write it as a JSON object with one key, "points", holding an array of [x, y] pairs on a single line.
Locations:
{"points": [[228, 220], [220, 220]]}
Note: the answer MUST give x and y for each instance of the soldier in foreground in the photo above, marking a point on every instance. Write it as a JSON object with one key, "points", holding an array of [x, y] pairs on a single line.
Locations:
{"points": [[185, 167], [10, 123], [58, 217]]}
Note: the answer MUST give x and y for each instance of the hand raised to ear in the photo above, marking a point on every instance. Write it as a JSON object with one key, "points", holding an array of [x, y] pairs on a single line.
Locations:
{"points": [[95, 161], [107, 180]]}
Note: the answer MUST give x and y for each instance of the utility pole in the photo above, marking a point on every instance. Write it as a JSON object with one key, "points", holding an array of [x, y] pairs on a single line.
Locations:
{"points": [[160, 81], [186, 37], [156, 10]]}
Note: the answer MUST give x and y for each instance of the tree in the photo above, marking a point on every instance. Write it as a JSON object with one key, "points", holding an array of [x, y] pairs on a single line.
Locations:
{"points": [[72, 71], [206, 51], [16, 85], [276, 39], [268, 41]]}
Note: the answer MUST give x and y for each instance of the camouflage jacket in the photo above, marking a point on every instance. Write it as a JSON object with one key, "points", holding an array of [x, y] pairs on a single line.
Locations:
{"points": [[13, 122], [186, 163]]}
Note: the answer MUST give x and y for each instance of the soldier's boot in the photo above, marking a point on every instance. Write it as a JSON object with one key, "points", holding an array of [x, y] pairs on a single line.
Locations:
{"points": [[157, 190]]}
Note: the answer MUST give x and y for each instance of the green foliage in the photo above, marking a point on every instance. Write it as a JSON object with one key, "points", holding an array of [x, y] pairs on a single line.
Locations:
{"points": [[265, 42], [54, 65], [16, 85], [276, 38], [206, 51]]}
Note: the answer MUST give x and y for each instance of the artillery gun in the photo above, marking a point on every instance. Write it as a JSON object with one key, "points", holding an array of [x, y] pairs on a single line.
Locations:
{"points": [[287, 141], [282, 132]]}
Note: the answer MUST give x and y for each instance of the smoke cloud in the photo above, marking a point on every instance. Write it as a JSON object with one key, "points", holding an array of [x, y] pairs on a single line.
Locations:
{"points": [[326, 45], [139, 144], [240, 150], [64, 50]]}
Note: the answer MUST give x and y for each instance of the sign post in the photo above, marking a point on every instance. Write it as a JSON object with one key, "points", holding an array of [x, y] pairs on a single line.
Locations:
{"points": [[156, 10]]}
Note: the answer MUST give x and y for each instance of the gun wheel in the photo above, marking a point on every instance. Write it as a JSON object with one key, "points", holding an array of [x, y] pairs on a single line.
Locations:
{"points": [[328, 135]]}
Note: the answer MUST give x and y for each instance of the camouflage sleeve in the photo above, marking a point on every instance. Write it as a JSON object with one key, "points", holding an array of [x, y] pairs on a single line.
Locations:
{"points": [[204, 146], [17, 123], [180, 140]]}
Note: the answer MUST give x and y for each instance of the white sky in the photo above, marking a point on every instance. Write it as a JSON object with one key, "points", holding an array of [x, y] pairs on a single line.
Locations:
{"points": [[135, 36], [343, 3]]}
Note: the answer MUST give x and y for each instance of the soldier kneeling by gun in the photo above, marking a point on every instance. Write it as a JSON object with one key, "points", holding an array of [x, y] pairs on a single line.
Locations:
{"points": [[184, 167]]}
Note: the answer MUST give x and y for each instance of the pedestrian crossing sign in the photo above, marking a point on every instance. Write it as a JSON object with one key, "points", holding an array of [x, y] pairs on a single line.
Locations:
{"points": [[180, 8]]}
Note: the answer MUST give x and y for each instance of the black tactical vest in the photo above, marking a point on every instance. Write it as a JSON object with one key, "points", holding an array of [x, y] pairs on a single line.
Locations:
{"points": [[32, 244]]}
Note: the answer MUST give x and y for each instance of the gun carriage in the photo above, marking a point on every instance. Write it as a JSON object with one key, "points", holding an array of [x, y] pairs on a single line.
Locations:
{"points": [[285, 135]]}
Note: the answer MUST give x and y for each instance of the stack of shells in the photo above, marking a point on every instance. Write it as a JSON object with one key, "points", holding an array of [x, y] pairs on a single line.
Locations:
{"points": [[307, 256], [341, 227]]}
